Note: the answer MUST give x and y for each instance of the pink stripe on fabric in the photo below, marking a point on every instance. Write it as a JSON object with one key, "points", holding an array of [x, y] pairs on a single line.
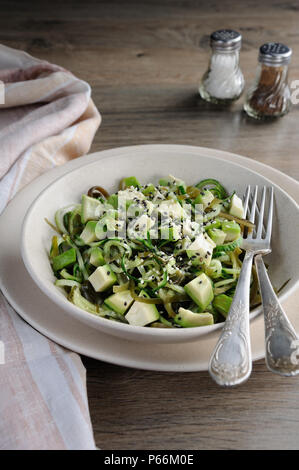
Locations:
{"points": [[33, 420], [64, 366], [31, 73]]}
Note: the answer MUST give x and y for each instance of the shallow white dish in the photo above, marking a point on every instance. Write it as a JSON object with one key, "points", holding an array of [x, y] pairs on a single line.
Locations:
{"points": [[149, 163], [42, 314]]}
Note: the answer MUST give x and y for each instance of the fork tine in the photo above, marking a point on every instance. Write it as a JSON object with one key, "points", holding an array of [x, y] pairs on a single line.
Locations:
{"points": [[246, 200], [253, 210], [270, 217], [261, 215], [253, 207]]}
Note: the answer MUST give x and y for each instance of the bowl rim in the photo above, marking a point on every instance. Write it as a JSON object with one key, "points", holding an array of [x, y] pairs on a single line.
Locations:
{"points": [[106, 324]]}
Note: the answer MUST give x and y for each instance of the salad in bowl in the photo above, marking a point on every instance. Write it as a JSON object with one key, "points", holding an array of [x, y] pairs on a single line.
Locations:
{"points": [[164, 255]]}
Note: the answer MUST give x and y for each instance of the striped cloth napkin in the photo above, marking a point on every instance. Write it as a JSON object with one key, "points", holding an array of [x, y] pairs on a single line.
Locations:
{"points": [[46, 118]]}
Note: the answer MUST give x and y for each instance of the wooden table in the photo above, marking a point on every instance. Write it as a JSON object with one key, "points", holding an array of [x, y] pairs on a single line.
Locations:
{"points": [[144, 60]]}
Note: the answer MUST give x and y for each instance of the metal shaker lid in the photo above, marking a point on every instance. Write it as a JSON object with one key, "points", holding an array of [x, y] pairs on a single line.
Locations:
{"points": [[275, 53], [226, 40]]}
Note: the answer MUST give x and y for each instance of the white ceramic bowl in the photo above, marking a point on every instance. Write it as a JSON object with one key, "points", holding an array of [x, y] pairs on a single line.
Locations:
{"points": [[148, 164]]}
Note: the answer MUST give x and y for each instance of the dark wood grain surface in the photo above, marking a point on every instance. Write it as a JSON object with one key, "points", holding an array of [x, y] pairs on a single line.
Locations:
{"points": [[144, 60]]}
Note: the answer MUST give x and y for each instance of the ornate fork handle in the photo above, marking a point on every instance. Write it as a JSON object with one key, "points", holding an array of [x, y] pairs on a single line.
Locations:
{"points": [[281, 340], [230, 363]]}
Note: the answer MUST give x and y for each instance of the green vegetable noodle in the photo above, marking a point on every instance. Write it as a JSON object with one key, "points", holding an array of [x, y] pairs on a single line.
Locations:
{"points": [[163, 255]]}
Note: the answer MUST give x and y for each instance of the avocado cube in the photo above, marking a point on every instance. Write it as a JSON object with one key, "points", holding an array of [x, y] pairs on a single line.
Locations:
{"points": [[200, 290], [236, 207], [130, 181], [120, 302], [141, 314], [149, 189], [205, 198], [91, 209], [172, 181], [96, 257], [218, 236], [187, 318], [102, 278], [164, 182], [201, 250], [88, 234]]}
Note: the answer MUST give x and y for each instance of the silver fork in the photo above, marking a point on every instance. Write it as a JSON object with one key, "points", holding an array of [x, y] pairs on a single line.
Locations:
{"points": [[231, 363], [281, 340]]}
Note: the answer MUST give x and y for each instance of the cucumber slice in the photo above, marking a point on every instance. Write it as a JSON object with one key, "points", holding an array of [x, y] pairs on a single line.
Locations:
{"points": [[232, 231], [231, 246], [214, 185]]}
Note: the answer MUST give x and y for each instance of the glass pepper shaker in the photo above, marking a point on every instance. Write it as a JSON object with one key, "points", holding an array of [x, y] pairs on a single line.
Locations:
{"points": [[223, 82], [270, 96]]}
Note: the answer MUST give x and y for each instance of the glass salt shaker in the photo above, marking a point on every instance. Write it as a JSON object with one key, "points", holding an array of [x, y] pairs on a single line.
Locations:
{"points": [[269, 96], [223, 82]]}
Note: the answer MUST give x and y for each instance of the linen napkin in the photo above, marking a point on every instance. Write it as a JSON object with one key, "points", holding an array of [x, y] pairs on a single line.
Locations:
{"points": [[46, 118]]}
